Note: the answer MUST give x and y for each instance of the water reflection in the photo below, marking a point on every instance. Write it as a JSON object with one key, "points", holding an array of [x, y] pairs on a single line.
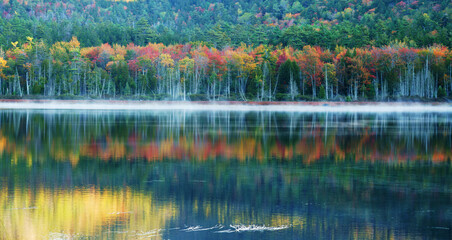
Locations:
{"points": [[201, 136], [181, 174], [43, 213]]}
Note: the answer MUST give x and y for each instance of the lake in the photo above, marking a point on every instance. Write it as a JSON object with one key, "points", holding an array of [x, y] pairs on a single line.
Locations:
{"points": [[179, 174]]}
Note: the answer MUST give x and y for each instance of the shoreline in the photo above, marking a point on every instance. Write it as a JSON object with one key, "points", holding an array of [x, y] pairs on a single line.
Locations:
{"points": [[147, 105]]}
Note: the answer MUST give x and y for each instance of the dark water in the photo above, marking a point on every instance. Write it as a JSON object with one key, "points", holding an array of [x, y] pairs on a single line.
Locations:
{"points": [[224, 175]]}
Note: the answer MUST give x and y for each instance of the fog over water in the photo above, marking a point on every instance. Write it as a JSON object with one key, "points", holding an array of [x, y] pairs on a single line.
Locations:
{"points": [[227, 106]]}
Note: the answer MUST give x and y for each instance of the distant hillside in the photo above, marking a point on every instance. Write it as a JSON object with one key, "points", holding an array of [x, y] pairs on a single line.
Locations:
{"points": [[326, 23]]}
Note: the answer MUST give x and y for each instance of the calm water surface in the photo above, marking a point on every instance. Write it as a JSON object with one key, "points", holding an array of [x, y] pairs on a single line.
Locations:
{"points": [[224, 175]]}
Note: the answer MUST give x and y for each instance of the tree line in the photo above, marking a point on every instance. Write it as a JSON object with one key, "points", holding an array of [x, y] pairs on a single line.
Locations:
{"points": [[199, 71]]}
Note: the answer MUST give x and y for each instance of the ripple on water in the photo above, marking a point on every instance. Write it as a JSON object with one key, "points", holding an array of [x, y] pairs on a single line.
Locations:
{"points": [[252, 228]]}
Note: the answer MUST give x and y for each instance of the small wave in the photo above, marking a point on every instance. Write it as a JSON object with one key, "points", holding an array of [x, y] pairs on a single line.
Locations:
{"points": [[226, 231], [252, 228], [118, 232], [117, 213], [64, 236], [200, 228], [155, 180], [198, 181], [148, 234], [441, 228], [58, 236]]}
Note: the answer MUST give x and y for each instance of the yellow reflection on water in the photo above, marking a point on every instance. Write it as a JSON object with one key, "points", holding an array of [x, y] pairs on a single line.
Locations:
{"points": [[43, 213]]}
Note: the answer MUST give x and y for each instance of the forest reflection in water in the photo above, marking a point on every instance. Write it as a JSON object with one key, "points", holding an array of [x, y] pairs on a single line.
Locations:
{"points": [[185, 174]]}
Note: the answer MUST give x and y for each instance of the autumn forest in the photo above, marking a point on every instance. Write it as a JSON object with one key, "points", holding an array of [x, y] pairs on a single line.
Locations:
{"points": [[192, 50]]}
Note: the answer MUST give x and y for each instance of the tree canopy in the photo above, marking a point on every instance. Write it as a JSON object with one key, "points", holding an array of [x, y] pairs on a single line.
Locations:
{"points": [[323, 23]]}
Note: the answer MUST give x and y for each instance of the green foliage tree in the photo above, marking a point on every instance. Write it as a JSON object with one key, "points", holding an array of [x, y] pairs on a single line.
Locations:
{"points": [[322, 93]]}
